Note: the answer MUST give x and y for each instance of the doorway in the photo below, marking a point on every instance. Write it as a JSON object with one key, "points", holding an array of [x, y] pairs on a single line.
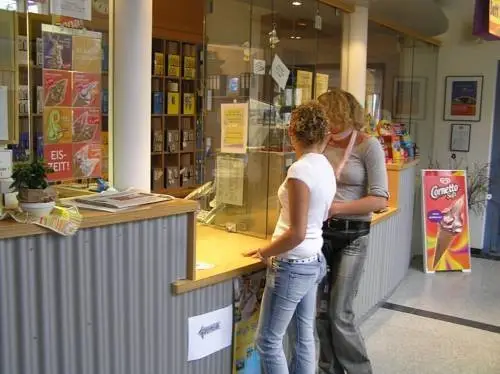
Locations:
{"points": [[492, 227]]}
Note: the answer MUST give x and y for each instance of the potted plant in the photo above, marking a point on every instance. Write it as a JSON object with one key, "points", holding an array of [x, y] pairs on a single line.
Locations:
{"points": [[34, 193]]}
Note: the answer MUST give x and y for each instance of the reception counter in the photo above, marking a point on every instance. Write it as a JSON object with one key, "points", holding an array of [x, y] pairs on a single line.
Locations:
{"points": [[116, 297], [100, 302]]}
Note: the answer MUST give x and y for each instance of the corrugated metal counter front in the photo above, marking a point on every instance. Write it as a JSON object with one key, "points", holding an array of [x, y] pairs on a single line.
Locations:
{"points": [[101, 302]]}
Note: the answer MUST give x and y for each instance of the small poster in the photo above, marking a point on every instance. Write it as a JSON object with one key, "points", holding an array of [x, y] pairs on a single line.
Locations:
{"points": [[81, 9], [248, 292], [57, 51], [87, 160], [57, 125], [87, 54], [259, 67], [463, 99], [279, 72], [305, 85], [322, 84], [494, 18], [86, 90], [209, 333], [445, 221], [58, 157], [86, 125], [230, 180], [57, 88], [234, 128]]}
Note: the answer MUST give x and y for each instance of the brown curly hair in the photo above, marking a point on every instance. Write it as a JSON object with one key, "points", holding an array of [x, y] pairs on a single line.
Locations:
{"points": [[309, 123], [343, 110]]}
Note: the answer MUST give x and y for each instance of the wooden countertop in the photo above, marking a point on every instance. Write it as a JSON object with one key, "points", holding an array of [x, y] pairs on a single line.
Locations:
{"points": [[225, 251], [91, 218]]}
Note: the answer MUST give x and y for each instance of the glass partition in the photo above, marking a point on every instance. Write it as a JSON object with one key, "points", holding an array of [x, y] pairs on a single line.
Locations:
{"points": [[276, 55], [401, 84], [54, 64]]}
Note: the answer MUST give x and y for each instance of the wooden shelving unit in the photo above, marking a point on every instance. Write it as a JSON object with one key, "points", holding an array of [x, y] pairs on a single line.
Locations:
{"points": [[175, 114]]}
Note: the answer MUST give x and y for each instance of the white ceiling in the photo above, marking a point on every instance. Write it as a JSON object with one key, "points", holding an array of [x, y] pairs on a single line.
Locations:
{"points": [[425, 17]]}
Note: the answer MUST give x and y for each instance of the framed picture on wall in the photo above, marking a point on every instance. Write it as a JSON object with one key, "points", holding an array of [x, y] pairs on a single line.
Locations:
{"points": [[460, 137], [463, 98], [409, 98]]}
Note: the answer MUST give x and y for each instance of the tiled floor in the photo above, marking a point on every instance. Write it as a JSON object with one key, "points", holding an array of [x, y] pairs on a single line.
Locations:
{"points": [[401, 342]]}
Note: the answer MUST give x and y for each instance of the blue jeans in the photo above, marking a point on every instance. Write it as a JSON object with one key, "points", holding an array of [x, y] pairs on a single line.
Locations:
{"points": [[289, 299]]}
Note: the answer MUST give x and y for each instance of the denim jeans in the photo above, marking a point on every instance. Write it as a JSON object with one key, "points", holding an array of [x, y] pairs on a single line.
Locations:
{"points": [[289, 299], [342, 348]]}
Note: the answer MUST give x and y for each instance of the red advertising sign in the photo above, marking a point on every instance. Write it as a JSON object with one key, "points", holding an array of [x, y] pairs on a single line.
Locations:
{"points": [[86, 160], [86, 125], [57, 88], [86, 90], [58, 157], [445, 221]]}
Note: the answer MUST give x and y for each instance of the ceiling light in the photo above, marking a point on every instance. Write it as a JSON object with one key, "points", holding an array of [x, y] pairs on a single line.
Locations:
{"points": [[295, 37], [296, 3], [301, 24]]}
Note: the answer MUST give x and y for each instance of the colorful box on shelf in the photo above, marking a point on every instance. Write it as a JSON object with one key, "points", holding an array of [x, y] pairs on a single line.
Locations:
{"points": [[157, 102], [158, 64], [174, 65], [173, 103]]}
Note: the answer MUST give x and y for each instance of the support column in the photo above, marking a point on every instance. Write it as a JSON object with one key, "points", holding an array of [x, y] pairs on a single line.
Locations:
{"points": [[132, 94], [354, 52]]}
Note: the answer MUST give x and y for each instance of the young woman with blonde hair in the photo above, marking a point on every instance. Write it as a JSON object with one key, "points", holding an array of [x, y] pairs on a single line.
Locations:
{"points": [[362, 188]]}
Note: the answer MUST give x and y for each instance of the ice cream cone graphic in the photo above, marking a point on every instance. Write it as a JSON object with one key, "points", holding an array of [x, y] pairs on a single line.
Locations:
{"points": [[450, 226]]}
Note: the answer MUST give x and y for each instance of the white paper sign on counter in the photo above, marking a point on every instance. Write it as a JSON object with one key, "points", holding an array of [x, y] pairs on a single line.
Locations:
{"points": [[279, 72], [210, 333]]}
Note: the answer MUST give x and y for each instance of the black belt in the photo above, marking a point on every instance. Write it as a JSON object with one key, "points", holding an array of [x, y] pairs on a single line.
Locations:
{"points": [[346, 225]]}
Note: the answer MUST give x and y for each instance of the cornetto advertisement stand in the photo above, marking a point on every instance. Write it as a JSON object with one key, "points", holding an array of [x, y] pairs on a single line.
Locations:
{"points": [[445, 221]]}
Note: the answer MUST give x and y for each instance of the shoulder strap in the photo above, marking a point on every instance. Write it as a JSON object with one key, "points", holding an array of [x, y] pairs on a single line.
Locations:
{"points": [[347, 154]]}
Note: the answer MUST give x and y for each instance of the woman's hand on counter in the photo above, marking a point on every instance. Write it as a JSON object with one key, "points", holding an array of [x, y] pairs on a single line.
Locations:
{"points": [[256, 253]]}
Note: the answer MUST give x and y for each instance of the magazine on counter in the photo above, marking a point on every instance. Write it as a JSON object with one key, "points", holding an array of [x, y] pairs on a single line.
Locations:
{"points": [[116, 201]]}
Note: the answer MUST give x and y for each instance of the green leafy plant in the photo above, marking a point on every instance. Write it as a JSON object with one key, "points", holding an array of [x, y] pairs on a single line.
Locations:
{"points": [[31, 176], [479, 183]]}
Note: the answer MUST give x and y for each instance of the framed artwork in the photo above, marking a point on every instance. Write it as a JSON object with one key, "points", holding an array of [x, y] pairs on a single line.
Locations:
{"points": [[460, 137], [409, 98], [463, 98]]}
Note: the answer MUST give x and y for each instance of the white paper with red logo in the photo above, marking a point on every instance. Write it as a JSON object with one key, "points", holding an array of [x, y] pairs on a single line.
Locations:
{"points": [[445, 221]]}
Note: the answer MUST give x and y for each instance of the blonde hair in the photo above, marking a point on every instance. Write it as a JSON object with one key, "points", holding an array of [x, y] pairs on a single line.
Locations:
{"points": [[343, 109], [309, 123]]}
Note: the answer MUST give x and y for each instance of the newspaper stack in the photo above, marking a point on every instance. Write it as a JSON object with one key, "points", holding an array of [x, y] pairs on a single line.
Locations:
{"points": [[117, 201]]}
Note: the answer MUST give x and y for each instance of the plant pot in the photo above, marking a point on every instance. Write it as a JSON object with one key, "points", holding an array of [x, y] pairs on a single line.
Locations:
{"points": [[38, 210], [37, 196]]}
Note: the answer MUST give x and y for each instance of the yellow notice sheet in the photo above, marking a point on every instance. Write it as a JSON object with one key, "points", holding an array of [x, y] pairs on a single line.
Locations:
{"points": [[322, 81], [304, 84], [234, 128]]}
